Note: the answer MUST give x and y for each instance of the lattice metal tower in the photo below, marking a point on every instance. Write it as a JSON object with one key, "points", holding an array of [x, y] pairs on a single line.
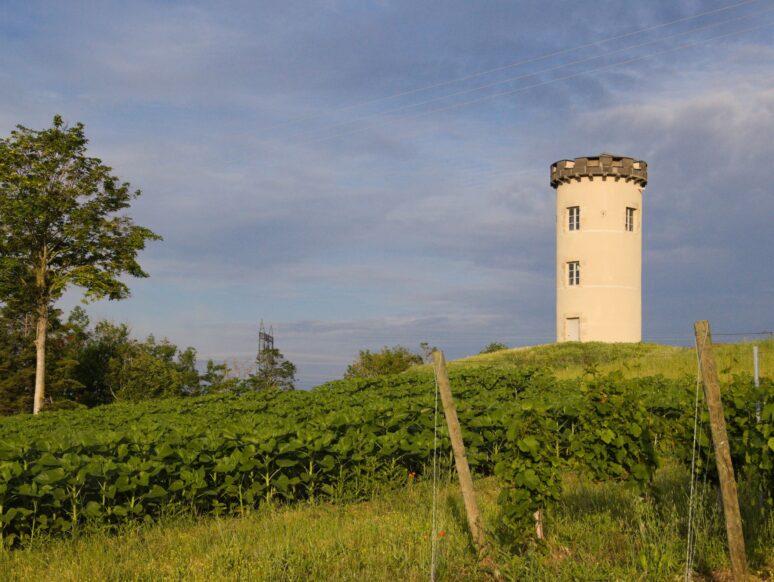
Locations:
{"points": [[265, 340]]}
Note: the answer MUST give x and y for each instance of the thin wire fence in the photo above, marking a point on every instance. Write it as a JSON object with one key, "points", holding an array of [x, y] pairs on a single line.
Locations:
{"points": [[691, 543], [434, 532]]}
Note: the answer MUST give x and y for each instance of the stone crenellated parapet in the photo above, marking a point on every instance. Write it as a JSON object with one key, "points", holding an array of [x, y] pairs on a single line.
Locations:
{"points": [[603, 166]]}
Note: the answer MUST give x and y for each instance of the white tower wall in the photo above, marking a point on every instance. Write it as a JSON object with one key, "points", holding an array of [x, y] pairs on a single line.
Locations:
{"points": [[599, 240]]}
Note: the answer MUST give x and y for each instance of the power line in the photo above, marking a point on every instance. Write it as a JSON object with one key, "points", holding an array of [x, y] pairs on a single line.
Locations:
{"points": [[533, 74], [770, 333], [515, 64], [543, 83]]}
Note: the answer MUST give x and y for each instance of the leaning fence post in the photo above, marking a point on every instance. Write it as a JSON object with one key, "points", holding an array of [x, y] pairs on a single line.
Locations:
{"points": [[756, 376], [461, 462], [709, 376]]}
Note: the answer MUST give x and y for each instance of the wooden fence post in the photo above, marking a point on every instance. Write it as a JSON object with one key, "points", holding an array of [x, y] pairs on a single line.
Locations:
{"points": [[709, 376], [461, 462]]}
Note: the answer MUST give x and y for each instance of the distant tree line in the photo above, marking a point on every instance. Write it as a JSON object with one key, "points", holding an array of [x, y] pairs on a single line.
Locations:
{"points": [[100, 364]]}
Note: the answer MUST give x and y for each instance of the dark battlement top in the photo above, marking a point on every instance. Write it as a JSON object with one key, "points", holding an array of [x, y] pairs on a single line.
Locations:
{"points": [[603, 165]]}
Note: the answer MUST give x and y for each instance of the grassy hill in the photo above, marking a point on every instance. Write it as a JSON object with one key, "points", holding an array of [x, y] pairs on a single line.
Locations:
{"points": [[572, 359], [599, 529]]}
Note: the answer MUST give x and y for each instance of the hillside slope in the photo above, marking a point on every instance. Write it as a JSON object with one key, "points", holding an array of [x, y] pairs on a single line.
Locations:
{"points": [[572, 359]]}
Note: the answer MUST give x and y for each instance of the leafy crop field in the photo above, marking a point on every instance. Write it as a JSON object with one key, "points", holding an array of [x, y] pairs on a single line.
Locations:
{"points": [[106, 469]]}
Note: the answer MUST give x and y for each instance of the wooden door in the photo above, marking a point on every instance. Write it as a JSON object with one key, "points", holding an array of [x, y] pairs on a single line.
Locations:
{"points": [[572, 329]]}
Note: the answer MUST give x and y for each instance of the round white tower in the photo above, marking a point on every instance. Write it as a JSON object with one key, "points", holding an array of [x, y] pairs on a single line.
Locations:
{"points": [[599, 248]]}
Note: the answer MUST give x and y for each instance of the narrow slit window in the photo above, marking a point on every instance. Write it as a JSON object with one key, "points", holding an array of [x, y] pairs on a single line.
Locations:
{"points": [[574, 215], [573, 272], [630, 219]]}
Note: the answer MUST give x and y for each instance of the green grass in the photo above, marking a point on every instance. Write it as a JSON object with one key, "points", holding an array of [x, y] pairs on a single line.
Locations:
{"points": [[570, 359], [599, 531], [387, 538]]}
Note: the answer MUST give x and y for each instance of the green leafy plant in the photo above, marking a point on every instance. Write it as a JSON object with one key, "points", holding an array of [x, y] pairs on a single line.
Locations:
{"points": [[749, 415], [609, 435], [529, 471]]}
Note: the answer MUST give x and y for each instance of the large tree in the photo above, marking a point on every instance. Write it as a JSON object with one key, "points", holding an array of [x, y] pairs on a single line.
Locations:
{"points": [[59, 227]]}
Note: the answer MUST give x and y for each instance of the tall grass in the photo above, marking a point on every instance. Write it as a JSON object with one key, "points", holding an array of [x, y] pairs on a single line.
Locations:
{"points": [[598, 531], [635, 360], [608, 531]]}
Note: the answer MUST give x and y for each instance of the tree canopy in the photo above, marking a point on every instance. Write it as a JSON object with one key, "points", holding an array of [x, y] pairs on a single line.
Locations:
{"points": [[386, 361], [272, 371], [59, 227], [493, 347]]}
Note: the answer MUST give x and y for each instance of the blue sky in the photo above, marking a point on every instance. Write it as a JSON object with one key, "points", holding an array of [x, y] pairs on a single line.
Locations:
{"points": [[362, 174]]}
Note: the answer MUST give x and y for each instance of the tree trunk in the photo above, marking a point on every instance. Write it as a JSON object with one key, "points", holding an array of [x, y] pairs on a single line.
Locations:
{"points": [[40, 360]]}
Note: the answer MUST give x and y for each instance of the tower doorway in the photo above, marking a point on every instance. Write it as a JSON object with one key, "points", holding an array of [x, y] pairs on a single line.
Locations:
{"points": [[572, 329]]}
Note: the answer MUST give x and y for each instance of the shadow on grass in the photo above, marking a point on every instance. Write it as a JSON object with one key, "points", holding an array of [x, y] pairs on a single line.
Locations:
{"points": [[456, 507], [656, 520], [583, 498]]}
